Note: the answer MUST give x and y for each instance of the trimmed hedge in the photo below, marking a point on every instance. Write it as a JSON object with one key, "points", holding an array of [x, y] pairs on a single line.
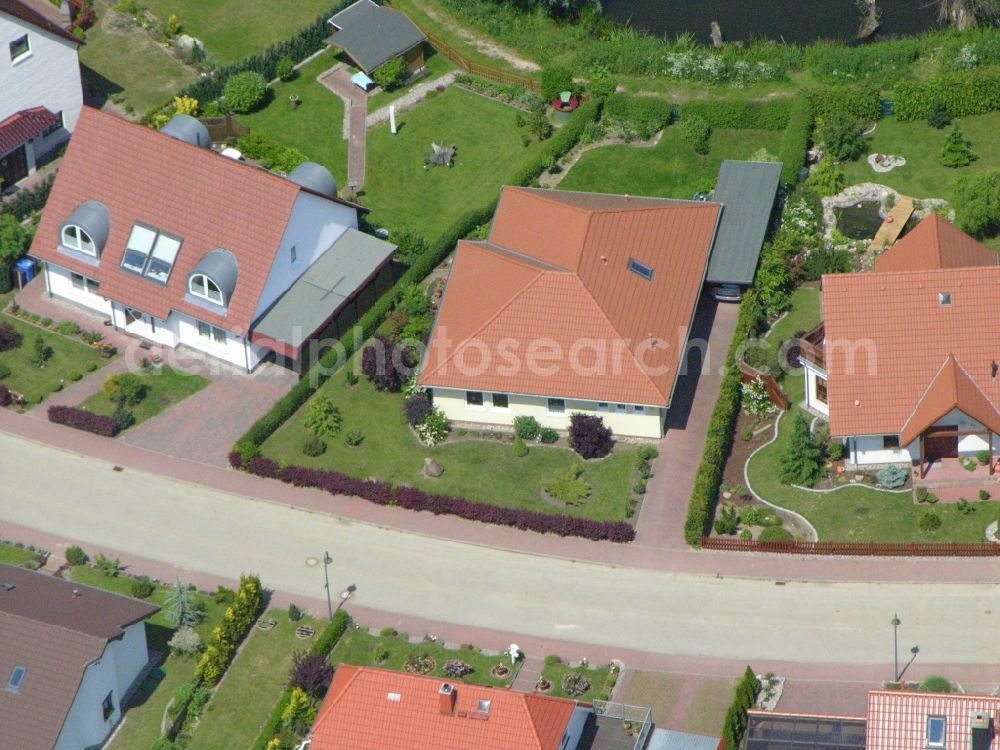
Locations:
{"points": [[861, 103], [324, 644], [974, 93], [411, 498], [80, 419], [557, 146], [643, 114], [773, 114], [734, 726], [795, 140], [720, 429]]}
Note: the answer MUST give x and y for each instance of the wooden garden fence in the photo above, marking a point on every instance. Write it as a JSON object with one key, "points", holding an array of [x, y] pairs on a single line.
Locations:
{"points": [[778, 397], [855, 549]]}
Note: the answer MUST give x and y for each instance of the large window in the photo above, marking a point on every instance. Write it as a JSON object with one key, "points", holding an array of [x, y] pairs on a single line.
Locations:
{"points": [[76, 239], [150, 253], [557, 406], [821, 390], [218, 335], [16, 678], [108, 706], [84, 284], [201, 286], [501, 401], [474, 398], [19, 48]]}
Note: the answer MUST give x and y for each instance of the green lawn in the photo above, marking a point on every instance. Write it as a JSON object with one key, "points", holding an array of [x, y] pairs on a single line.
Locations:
{"points": [[124, 59], [803, 314], [37, 383], [402, 194], [15, 555], [554, 673], [142, 722], [316, 126], [923, 176], [244, 699], [392, 453], [233, 29], [671, 169], [358, 647], [437, 65], [164, 388]]}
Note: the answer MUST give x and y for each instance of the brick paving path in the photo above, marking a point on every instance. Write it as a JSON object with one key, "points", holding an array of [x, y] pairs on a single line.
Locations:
{"points": [[527, 676], [338, 80]]}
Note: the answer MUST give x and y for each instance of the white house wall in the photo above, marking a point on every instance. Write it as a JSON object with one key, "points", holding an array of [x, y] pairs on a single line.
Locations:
{"points": [[313, 226], [60, 283], [453, 404], [119, 665], [49, 76], [869, 449], [811, 374]]}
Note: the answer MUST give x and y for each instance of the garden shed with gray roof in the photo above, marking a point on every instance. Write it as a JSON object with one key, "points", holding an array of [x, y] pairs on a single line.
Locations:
{"points": [[372, 35]]}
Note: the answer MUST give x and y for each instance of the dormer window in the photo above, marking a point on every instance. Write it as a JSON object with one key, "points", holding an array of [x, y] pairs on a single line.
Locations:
{"points": [[150, 253], [640, 269], [75, 238], [201, 286], [936, 731]]}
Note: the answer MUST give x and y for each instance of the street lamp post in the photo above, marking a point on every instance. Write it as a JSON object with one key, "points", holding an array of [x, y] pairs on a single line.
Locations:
{"points": [[895, 645], [326, 574]]}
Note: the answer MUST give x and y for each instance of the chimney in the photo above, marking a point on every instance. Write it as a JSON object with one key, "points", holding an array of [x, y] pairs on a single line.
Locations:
{"points": [[64, 11], [446, 699]]}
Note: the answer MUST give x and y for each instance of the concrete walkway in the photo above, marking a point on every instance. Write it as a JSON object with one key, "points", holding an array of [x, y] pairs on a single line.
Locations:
{"points": [[338, 80]]}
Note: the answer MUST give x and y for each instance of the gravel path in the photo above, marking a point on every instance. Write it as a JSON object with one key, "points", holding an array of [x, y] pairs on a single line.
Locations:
{"points": [[410, 99]]}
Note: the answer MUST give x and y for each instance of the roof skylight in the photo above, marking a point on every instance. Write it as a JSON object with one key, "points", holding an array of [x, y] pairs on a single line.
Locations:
{"points": [[150, 253], [640, 269], [16, 678]]}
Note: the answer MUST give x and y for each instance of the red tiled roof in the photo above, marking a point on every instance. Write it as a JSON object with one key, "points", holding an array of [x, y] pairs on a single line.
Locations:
{"points": [[208, 200], [888, 336], [22, 126], [368, 708], [898, 721], [40, 14], [935, 243], [555, 274]]}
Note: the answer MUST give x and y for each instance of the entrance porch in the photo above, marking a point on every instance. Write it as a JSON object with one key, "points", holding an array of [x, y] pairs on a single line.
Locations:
{"points": [[946, 447]]}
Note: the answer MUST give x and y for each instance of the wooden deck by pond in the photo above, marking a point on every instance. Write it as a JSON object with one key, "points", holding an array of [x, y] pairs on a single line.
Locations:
{"points": [[894, 222]]}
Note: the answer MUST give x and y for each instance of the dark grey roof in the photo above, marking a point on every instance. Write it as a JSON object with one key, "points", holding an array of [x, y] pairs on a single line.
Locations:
{"points": [[768, 731], [373, 35], [314, 177], [220, 266], [746, 190], [322, 290], [93, 218], [188, 129]]}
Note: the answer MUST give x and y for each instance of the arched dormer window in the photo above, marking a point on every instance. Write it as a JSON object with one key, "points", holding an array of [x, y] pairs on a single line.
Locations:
{"points": [[75, 238], [202, 286]]}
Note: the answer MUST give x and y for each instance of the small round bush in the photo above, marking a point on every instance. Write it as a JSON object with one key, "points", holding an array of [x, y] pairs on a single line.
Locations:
{"points": [[244, 91], [285, 69], [891, 477], [74, 375], [775, 534], [388, 632], [548, 435], [90, 366], [76, 556], [314, 446], [141, 588], [575, 684], [527, 427], [9, 337], [929, 521], [935, 684], [294, 613], [456, 668], [520, 449], [418, 406]]}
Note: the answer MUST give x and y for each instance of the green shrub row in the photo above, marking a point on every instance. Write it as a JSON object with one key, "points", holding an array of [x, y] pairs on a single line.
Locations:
{"points": [[795, 140], [28, 200], [973, 93], [236, 623], [323, 645], [304, 42], [642, 114], [720, 428], [861, 103], [738, 115], [745, 695]]}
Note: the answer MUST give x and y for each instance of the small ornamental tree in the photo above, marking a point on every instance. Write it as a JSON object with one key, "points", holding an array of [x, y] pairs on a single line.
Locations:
{"points": [[41, 353], [939, 117], [842, 139], [185, 641], [124, 387], [756, 402], [387, 365], [956, 151], [180, 606], [285, 69], [9, 337], [695, 130], [418, 406], [976, 200], [323, 418], [801, 461], [310, 673], [390, 75], [589, 436], [298, 714], [244, 91], [827, 178]]}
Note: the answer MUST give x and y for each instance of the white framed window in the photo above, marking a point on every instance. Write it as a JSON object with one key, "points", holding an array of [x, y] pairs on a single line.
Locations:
{"points": [[84, 284], [17, 675], [75, 238], [202, 286], [936, 726], [501, 401], [638, 409], [150, 253], [20, 48], [602, 406], [556, 406], [474, 399], [621, 408], [208, 331]]}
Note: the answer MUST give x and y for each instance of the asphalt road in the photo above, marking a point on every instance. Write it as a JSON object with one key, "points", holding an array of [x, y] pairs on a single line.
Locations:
{"points": [[684, 614]]}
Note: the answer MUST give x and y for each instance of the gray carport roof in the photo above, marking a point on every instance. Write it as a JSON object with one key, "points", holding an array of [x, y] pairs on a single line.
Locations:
{"points": [[373, 35], [322, 290], [746, 190]]}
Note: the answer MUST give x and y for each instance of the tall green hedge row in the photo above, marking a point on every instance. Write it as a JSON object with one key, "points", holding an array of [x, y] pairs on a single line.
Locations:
{"points": [[795, 140], [740, 115], [861, 103], [332, 633], [643, 114], [304, 42], [720, 428], [558, 145], [973, 93], [745, 695]]}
